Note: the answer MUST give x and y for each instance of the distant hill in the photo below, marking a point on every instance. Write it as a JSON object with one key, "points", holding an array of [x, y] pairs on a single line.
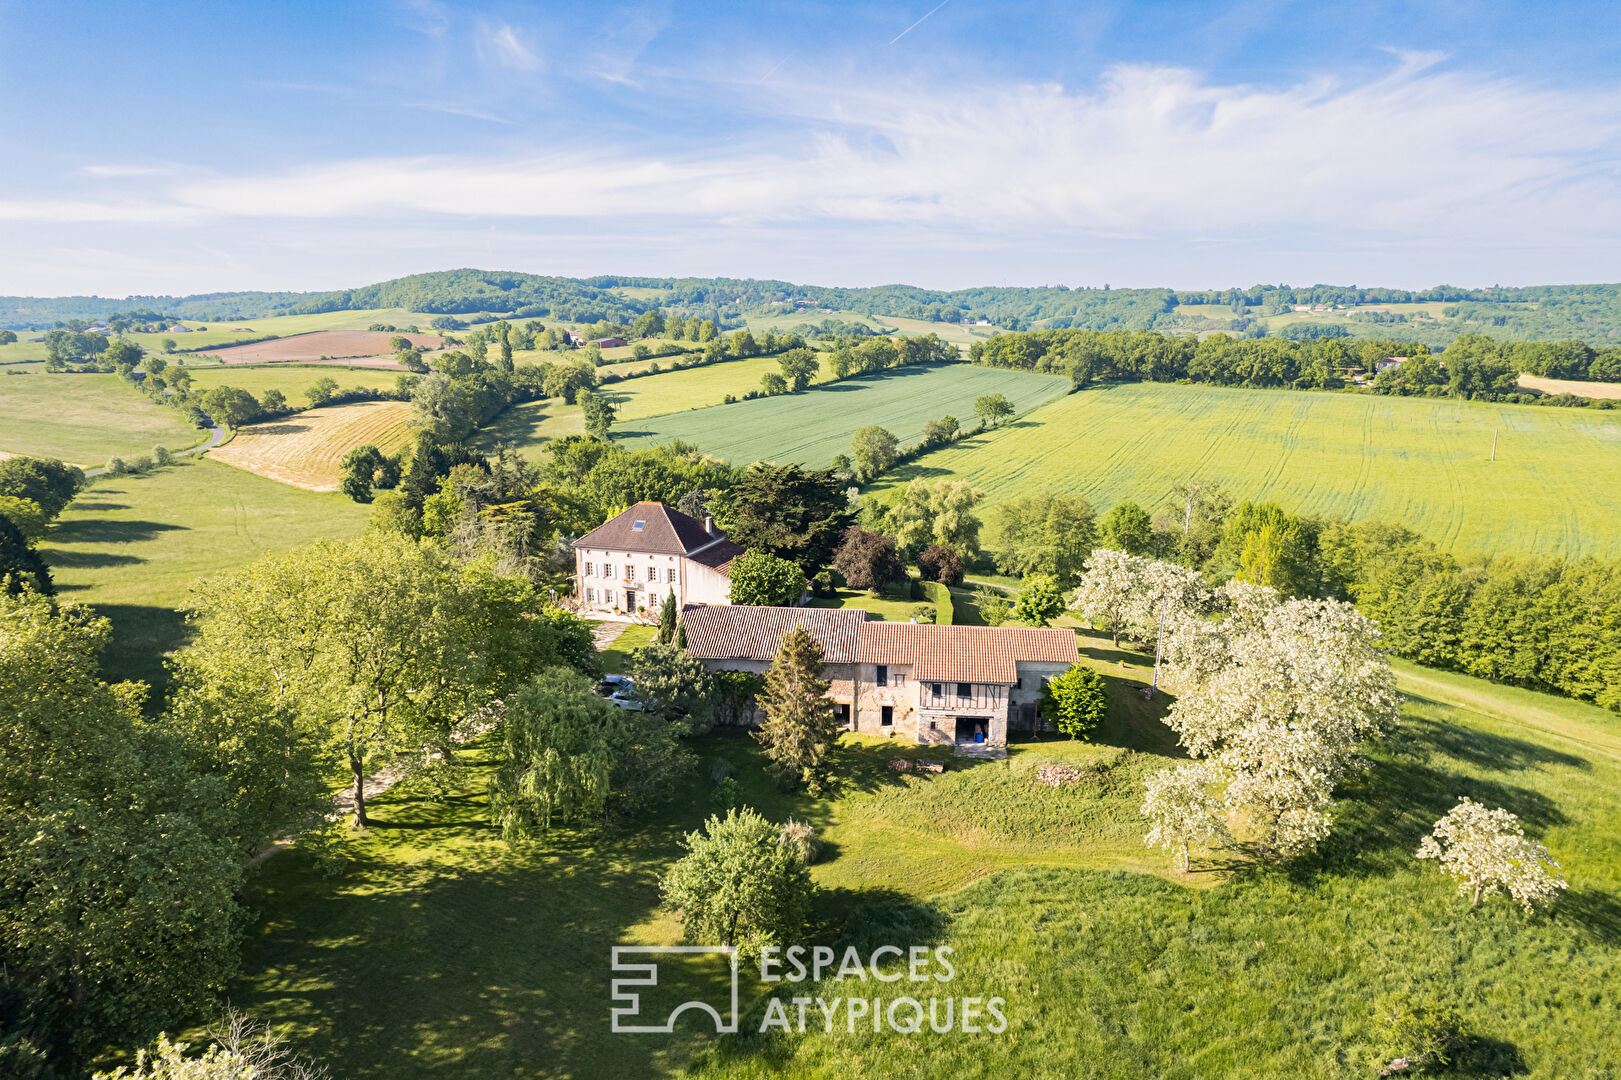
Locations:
{"points": [[1433, 316]]}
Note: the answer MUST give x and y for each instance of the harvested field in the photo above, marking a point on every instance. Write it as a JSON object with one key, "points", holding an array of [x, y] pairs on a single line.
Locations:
{"points": [[335, 345], [1600, 390], [306, 449]]}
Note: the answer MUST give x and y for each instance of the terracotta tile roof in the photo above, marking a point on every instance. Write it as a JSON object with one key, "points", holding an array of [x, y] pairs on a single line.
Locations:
{"points": [[728, 632], [651, 527], [986, 654]]}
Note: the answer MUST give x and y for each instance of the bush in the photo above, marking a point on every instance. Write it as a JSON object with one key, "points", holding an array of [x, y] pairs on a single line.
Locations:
{"points": [[994, 608], [923, 613], [116, 466], [163, 455], [940, 563], [800, 838], [1416, 1033]]}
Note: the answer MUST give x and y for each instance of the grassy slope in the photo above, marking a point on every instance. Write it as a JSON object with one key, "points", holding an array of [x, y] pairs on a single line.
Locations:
{"points": [[84, 419], [1555, 487], [132, 545], [441, 951], [527, 426], [291, 379], [813, 426]]}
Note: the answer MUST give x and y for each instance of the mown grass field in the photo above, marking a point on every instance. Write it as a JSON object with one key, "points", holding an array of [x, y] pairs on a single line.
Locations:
{"points": [[132, 545], [84, 419], [1554, 488], [812, 426], [438, 950], [527, 426], [293, 380], [307, 448]]}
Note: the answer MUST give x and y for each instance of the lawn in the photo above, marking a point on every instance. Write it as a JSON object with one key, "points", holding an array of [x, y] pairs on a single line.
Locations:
{"points": [[132, 545], [293, 380], [1555, 487], [811, 427], [85, 419], [435, 949], [882, 608]]}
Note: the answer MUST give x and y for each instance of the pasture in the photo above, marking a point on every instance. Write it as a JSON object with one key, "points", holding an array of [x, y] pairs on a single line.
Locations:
{"points": [[526, 426], [85, 419], [811, 427], [439, 948], [234, 330], [293, 380], [132, 545], [1555, 487], [306, 449]]}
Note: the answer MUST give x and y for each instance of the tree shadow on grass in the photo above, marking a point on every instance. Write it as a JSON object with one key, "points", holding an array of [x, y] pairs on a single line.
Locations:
{"points": [[1593, 914], [1385, 813], [88, 560], [1481, 1055], [82, 505], [109, 531], [142, 636], [1421, 737]]}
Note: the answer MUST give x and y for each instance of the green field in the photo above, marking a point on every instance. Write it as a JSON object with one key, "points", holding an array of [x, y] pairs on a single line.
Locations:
{"points": [[132, 545], [813, 426], [291, 379], [1555, 486], [528, 425], [439, 950], [84, 419]]}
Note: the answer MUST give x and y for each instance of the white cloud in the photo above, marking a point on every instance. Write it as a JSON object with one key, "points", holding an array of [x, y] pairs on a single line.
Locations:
{"points": [[1419, 159]]}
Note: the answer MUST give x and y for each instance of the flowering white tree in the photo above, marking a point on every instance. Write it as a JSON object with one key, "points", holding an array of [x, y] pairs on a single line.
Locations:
{"points": [[1183, 809], [1278, 700], [1107, 589], [1131, 593], [1486, 851]]}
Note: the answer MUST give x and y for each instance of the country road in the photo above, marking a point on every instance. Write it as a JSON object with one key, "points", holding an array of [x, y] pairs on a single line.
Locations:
{"points": [[216, 435]]}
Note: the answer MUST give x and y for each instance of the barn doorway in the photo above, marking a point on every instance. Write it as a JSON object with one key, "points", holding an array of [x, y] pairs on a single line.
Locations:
{"points": [[972, 729]]}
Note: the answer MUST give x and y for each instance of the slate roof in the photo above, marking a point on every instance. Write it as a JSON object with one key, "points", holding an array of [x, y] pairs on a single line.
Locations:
{"points": [[663, 532], [736, 632], [719, 558]]}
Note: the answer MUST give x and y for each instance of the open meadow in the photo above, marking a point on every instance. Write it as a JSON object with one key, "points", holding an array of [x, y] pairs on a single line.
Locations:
{"points": [[435, 947], [812, 426], [293, 380], [1555, 487], [307, 448], [526, 426], [132, 545], [310, 347], [85, 419]]}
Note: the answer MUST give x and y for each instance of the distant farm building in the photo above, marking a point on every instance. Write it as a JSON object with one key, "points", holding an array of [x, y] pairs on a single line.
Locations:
{"points": [[609, 342], [1387, 363]]}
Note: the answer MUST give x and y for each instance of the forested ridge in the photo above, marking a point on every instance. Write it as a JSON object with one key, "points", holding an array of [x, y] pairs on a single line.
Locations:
{"points": [[1538, 312]]}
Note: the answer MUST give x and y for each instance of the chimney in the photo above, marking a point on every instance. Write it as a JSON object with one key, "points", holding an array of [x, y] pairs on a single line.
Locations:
{"points": [[709, 525]]}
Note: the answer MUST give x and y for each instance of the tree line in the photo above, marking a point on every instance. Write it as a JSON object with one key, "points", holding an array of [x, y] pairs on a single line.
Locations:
{"points": [[1474, 366]]}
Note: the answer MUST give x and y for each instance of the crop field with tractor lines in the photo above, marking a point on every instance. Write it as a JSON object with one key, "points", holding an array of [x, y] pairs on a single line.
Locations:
{"points": [[306, 449]]}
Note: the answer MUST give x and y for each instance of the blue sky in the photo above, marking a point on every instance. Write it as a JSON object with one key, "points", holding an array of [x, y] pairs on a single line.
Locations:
{"points": [[191, 147]]}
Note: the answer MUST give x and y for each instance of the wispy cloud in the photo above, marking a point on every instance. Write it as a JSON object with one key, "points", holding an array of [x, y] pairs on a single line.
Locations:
{"points": [[118, 170], [1418, 157], [502, 44]]}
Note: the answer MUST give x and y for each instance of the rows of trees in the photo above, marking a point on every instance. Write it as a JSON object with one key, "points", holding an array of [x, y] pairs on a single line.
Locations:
{"points": [[1473, 366]]}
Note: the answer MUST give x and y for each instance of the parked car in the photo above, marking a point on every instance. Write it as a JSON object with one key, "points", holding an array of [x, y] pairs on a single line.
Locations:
{"points": [[620, 691]]}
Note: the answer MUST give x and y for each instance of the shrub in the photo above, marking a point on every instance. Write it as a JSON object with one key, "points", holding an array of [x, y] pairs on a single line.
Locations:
{"points": [[163, 455], [1416, 1033], [940, 563], [923, 613], [994, 608], [1076, 701], [800, 838], [116, 466]]}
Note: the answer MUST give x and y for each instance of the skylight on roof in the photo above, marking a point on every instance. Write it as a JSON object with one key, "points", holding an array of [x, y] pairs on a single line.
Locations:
{"points": [[637, 526]]}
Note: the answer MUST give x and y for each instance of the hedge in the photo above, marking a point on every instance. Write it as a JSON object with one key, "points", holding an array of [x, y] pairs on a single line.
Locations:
{"points": [[941, 598]]}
